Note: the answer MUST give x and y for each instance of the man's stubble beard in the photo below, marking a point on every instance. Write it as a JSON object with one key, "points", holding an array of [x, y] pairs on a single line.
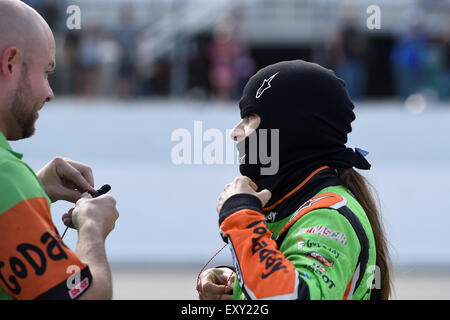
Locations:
{"points": [[21, 111]]}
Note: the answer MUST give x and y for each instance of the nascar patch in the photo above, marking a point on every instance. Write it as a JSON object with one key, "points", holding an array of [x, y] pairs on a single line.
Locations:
{"points": [[326, 232]]}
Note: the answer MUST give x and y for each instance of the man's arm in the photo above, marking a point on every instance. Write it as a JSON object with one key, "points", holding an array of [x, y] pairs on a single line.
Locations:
{"points": [[94, 219], [91, 250], [65, 179]]}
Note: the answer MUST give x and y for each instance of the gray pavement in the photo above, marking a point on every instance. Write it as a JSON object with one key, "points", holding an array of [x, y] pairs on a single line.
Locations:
{"points": [[180, 285]]}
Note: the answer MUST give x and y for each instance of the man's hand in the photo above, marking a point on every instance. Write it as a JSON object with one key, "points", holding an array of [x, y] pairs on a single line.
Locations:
{"points": [[242, 185], [99, 214], [65, 179], [216, 284]]}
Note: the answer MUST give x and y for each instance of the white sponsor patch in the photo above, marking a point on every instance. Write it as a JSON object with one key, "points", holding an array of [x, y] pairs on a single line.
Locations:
{"points": [[326, 232]]}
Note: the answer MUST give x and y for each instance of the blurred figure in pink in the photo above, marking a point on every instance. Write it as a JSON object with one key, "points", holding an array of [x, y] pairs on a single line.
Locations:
{"points": [[222, 59]]}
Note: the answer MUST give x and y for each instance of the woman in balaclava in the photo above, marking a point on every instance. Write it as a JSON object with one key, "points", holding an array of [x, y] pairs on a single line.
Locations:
{"points": [[301, 223]]}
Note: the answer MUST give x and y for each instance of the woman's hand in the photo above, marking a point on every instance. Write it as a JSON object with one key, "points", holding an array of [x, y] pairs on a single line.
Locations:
{"points": [[216, 284], [242, 185]]}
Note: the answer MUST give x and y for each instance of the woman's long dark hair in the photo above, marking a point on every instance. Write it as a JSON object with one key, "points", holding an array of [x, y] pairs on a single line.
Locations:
{"points": [[361, 189]]}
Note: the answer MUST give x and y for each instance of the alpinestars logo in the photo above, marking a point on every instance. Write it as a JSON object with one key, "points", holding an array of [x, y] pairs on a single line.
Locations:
{"points": [[307, 204], [265, 85]]}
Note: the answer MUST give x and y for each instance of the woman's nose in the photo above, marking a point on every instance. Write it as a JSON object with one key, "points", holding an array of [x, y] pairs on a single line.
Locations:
{"points": [[237, 134]]}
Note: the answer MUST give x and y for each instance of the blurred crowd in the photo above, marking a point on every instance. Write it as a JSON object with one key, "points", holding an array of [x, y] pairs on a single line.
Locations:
{"points": [[101, 61], [419, 62]]}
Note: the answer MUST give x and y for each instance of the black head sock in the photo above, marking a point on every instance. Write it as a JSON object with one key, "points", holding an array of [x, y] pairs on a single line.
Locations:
{"points": [[312, 111]]}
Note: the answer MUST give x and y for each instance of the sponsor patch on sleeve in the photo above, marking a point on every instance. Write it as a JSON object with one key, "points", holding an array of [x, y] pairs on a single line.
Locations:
{"points": [[79, 289], [337, 236], [320, 258]]}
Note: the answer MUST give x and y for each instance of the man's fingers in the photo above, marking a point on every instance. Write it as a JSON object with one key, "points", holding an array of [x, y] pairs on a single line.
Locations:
{"points": [[67, 194], [68, 172], [85, 170], [71, 195], [84, 197], [68, 222], [67, 218]]}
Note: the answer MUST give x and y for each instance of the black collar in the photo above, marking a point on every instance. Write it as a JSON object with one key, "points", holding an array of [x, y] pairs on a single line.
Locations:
{"points": [[308, 187]]}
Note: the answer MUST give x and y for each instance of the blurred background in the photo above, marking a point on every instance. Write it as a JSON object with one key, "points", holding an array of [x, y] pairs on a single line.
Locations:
{"points": [[206, 50], [136, 71]]}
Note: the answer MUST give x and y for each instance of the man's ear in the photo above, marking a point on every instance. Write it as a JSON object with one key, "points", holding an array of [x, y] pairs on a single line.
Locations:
{"points": [[11, 59]]}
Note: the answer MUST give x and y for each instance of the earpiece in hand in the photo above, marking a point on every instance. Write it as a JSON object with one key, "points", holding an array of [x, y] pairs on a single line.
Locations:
{"points": [[104, 189]]}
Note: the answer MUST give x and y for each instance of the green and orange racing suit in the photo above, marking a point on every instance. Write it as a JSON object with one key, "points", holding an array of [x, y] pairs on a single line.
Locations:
{"points": [[314, 243]]}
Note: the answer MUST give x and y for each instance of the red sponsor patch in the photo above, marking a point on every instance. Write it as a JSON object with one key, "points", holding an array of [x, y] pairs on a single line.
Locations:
{"points": [[316, 256], [75, 292]]}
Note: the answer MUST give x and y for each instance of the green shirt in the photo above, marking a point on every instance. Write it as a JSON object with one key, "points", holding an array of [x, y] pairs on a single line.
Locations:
{"points": [[33, 259]]}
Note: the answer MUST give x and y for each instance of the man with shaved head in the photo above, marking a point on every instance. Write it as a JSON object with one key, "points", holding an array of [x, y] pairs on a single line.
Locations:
{"points": [[34, 262]]}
